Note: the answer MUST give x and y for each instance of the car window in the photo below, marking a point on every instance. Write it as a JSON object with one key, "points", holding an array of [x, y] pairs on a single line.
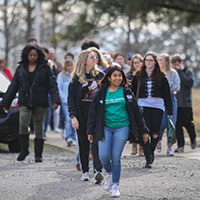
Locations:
{"points": [[4, 82]]}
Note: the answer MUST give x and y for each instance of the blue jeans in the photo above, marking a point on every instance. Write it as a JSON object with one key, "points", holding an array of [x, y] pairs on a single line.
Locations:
{"points": [[110, 150], [47, 116], [164, 120], [70, 132]]}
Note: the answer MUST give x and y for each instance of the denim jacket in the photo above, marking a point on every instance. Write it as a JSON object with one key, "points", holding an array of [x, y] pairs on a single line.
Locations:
{"points": [[63, 81]]}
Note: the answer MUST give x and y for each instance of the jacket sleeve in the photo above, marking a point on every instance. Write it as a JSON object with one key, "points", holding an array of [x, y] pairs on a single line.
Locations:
{"points": [[187, 79], [139, 118], [134, 85], [62, 88], [11, 91], [175, 86], [92, 115], [167, 97], [71, 101], [53, 88]]}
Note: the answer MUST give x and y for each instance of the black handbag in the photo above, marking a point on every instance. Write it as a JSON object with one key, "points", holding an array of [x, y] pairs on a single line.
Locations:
{"points": [[171, 131]]}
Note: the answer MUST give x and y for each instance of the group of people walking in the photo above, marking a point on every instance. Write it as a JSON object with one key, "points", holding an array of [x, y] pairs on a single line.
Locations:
{"points": [[105, 104]]}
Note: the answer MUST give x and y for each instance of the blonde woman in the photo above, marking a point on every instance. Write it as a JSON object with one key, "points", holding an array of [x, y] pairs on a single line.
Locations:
{"points": [[63, 81], [100, 59], [83, 85], [174, 84]]}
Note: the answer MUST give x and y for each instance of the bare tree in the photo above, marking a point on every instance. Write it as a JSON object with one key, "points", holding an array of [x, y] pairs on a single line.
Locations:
{"points": [[9, 20], [29, 19]]}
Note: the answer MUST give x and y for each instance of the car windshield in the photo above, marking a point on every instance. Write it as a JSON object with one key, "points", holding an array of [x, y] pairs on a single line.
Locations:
{"points": [[4, 82]]}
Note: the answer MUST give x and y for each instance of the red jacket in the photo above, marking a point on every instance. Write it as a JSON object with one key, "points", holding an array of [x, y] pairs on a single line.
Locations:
{"points": [[8, 73]]}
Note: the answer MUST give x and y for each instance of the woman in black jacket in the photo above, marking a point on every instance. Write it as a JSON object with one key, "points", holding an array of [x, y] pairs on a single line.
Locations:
{"points": [[113, 110], [33, 80], [136, 62], [83, 85], [151, 84]]}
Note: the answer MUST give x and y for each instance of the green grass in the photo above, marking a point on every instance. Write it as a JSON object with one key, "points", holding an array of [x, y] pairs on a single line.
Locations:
{"points": [[196, 109]]}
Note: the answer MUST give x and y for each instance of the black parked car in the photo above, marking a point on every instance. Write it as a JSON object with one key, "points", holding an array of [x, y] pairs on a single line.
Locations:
{"points": [[9, 123]]}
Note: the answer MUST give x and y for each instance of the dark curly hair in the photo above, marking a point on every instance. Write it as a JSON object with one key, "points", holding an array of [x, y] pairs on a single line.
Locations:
{"points": [[27, 49], [89, 43]]}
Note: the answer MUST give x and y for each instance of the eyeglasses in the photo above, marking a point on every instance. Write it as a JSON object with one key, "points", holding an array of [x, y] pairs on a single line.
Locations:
{"points": [[94, 57], [149, 60], [136, 63]]}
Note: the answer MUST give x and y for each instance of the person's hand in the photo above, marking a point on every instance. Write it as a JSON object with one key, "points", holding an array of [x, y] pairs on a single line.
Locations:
{"points": [[90, 138], [181, 66], [145, 138], [55, 106], [75, 123], [93, 85], [5, 110]]}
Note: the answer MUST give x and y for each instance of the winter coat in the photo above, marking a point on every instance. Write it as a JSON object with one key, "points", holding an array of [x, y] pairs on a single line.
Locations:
{"points": [[160, 88], [184, 96], [74, 97], [63, 81], [96, 114], [35, 95]]}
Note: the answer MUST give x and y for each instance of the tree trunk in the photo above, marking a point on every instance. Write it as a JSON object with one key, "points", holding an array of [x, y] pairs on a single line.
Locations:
{"points": [[6, 30], [29, 20]]}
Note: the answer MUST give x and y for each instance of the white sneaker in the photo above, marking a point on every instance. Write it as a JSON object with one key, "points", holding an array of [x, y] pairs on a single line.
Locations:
{"points": [[85, 176], [169, 151], [63, 135], [115, 190], [57, 130], [74, 143], [108, 182]]}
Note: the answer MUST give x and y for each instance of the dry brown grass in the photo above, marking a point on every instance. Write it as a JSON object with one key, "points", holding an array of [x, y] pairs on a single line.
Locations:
{"points": [[196, 108]]}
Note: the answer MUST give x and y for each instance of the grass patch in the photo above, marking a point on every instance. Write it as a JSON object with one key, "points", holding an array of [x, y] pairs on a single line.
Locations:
{"points": [[47, 147], [51, 147], [196, 109]]}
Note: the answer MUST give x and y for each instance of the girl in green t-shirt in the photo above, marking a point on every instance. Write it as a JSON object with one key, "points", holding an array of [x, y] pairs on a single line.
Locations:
{"points": [[113, 112]]}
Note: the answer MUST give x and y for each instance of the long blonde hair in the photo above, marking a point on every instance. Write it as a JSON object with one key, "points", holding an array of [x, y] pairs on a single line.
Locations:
{"points": [[167, 59], [80, 67], [67, 62], [102, 60]]}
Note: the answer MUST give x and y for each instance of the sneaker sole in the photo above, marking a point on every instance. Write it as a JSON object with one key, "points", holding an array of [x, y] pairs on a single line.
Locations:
{"points": [[86, 179], [107, 189], [115, 196]]}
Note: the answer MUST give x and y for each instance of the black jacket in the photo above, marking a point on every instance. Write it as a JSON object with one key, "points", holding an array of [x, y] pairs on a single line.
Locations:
{"points": [[74, 97], [35, 95], [184, 95], [96, 114], [160, 88]]}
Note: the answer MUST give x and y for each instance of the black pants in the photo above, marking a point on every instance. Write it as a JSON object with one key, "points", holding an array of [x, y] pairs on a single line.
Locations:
{"points": [[84, 148], [184, 119], [153, 119]]}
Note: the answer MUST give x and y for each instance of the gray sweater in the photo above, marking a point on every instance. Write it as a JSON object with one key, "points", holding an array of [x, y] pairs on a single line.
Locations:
{"points": [[173, 80], [184, 96]]}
